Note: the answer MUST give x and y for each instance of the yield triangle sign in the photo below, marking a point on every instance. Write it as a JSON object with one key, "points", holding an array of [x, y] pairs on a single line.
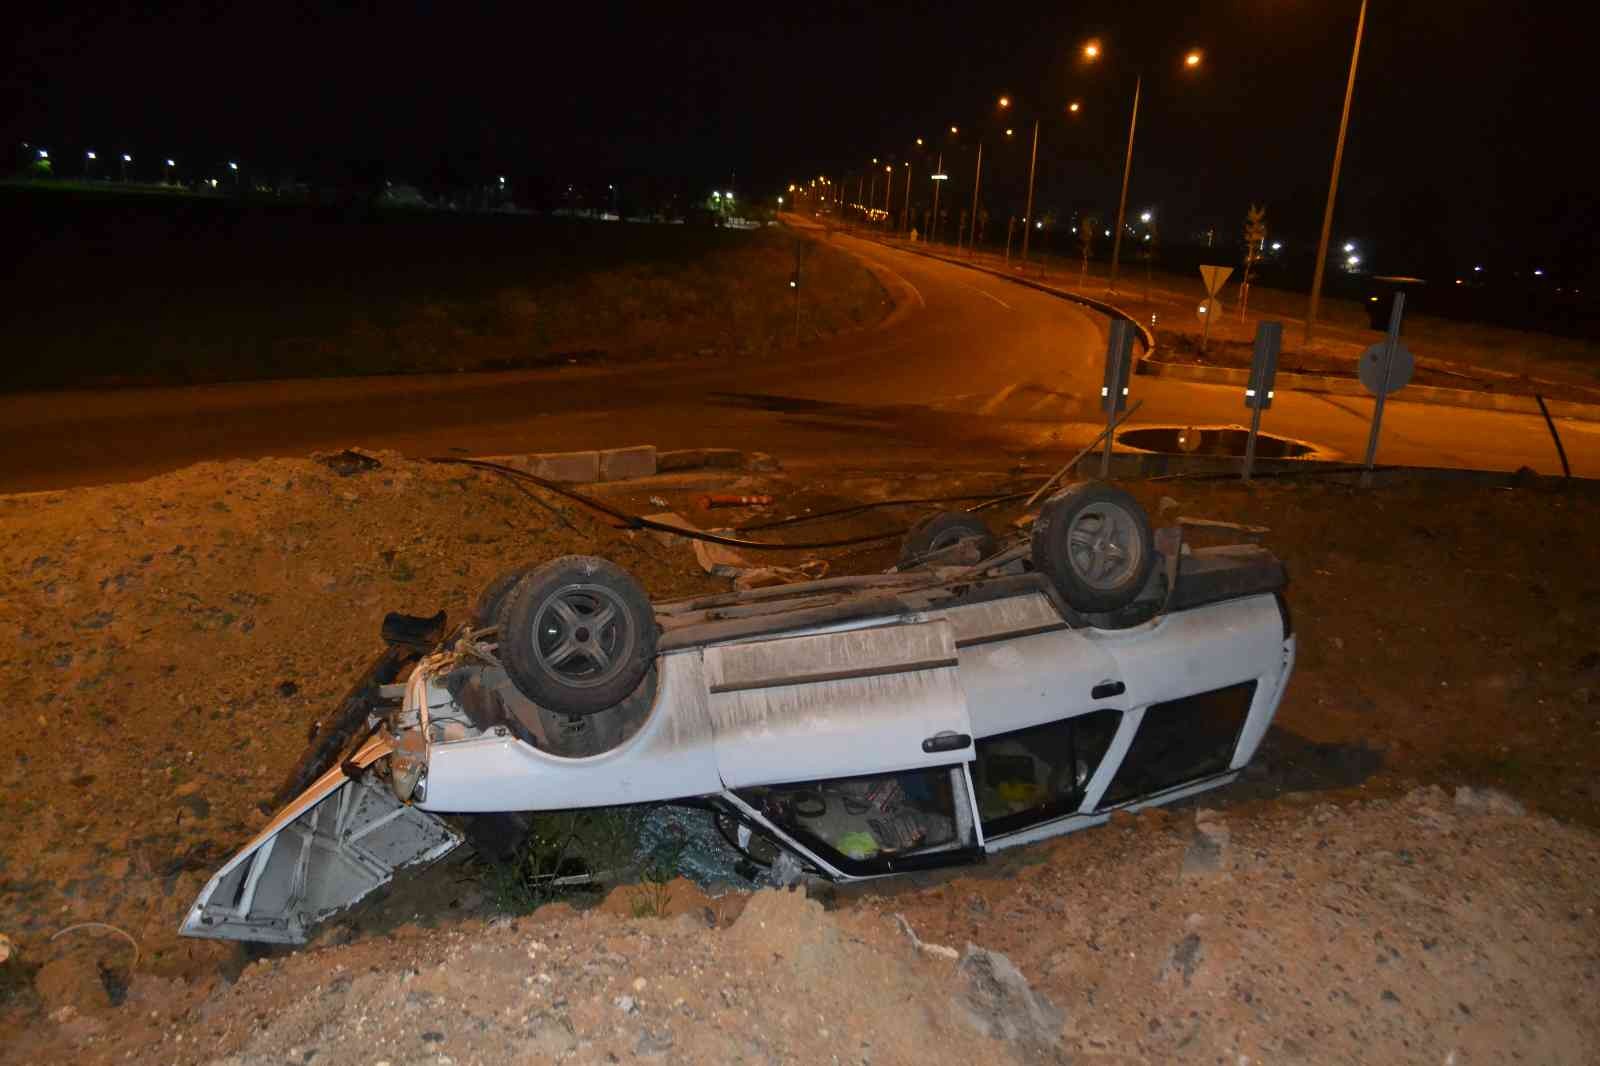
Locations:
{"points": [[1214, 276]]}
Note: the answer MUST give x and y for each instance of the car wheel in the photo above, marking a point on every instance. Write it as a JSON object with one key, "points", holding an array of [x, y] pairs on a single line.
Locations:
{"points": [[577, 736], [493, 596], [944, 530], [577, 635], [1095, 543]]}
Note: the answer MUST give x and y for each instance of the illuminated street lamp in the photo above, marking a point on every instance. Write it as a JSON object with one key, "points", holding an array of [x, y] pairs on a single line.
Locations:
{"points": [[167, 170], [1091, 51], [126, 159], [1033, 158], [88, 165], [1146, 217]]}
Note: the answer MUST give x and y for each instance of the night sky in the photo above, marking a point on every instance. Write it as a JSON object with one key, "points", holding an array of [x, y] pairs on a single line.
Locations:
{"points": [[1468, 137]]}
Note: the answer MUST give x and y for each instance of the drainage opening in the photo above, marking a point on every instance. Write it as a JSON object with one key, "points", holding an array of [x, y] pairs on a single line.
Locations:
{"points": [[1196, 440]]}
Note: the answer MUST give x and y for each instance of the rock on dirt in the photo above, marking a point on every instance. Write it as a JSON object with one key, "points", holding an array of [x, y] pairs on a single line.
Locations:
{"points": [[997, 1000]]}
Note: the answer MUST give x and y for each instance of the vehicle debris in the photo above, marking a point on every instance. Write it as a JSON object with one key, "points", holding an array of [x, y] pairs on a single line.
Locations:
{"points": [[724, 499]]}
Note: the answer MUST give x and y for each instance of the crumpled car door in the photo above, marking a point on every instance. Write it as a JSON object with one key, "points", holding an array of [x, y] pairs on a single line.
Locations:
{"points": [[330, 847]]}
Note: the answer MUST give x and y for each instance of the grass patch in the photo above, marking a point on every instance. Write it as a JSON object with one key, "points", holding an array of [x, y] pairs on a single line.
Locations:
{"points": [[561, 850], [574, 855], [180, 291]]}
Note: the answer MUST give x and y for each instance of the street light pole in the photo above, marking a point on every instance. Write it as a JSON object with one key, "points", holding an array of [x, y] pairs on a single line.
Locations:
{"points": [[977, 180], [933, 223], [1027, 221], [905, 208], [1127, 168], [1333, 181]]}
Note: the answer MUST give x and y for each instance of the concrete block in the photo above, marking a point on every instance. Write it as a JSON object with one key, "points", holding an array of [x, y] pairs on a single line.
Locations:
{"points": [[619, 464], [568, 466], [696, 458]]}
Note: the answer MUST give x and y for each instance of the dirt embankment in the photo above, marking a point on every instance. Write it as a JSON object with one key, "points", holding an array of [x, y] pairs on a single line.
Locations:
{"points": [[1432, 929], [173, 643]]}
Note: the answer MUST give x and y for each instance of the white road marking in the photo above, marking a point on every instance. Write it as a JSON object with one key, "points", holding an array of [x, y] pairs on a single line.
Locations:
{"points": [[907, 284], [991, 296], [998, 399]]}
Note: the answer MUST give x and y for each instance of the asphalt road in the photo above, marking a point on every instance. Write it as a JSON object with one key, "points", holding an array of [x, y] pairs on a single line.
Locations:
{"points": [[968, 367]]}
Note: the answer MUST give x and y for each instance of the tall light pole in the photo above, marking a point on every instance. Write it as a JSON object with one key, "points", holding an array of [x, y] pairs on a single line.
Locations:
{"points": [[938, 176], [1033, 160], [1027, 223], [1091, 52], [905, 206], [1333, 180], [1127, 169], [977, 180]]}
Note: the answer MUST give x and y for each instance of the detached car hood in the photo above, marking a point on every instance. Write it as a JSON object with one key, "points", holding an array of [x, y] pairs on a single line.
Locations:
{"points": [[331, 846]]}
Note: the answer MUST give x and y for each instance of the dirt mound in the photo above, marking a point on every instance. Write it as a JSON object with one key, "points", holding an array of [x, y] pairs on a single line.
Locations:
{"points": [[1433, 929], [176, 640]]}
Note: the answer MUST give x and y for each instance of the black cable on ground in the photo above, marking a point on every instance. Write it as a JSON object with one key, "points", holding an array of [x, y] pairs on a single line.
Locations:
{"points": [[1258, 474], [633, 521], [987, 500]]}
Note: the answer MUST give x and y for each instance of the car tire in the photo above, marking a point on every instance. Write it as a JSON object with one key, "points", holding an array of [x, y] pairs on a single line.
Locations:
{"points": [[493, 596], [577, 635], [944, 530], [1095, 543], [578, 736]]}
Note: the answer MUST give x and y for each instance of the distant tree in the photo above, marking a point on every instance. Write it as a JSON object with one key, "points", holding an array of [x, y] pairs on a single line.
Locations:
{"points": [[1087, 228], [1255, 237]]}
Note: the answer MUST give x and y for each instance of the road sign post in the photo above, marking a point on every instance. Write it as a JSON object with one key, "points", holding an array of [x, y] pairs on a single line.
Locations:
{"points": [[1213, 277], [1384, 368], [1114, 393], [794, 283], [1258, 393]]}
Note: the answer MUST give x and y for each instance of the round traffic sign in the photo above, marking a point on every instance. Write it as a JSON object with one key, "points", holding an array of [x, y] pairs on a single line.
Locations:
{"points": [[1370, 368]]}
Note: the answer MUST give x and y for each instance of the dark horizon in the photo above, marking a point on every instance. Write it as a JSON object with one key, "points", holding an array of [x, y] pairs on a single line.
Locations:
{"points": [[1453, 153]]}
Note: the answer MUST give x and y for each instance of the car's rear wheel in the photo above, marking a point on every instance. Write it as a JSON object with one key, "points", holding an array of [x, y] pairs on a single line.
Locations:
{"points": [[1095, 542], [944, 530], [577, 635]]}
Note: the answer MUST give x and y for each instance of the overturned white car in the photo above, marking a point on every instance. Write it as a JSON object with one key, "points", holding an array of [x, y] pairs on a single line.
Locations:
{"points": [[980, 695]]}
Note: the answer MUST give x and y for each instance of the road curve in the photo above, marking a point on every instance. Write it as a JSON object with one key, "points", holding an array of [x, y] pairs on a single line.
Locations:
{"points": [[969, 365]]}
